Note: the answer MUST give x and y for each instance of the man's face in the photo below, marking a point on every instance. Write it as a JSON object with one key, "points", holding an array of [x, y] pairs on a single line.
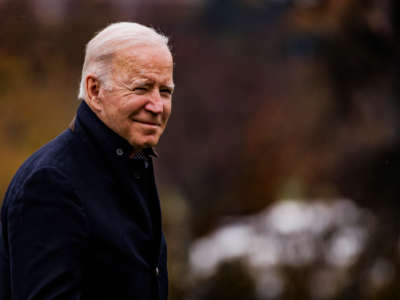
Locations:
{"points": [[138, 105]]}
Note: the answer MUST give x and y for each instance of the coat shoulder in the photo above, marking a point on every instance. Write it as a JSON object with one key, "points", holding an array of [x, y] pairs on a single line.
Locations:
{"points": [[57, 156]]}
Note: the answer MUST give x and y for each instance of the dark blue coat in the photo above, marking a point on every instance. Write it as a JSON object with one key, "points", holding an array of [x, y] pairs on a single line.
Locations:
{"points": [[81, 220]]}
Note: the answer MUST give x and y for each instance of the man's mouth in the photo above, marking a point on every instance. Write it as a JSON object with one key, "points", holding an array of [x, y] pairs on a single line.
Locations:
{"points": [[149, 123]]}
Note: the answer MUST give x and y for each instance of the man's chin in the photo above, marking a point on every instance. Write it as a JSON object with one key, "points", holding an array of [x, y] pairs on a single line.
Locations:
{"points": [[143, 144]]}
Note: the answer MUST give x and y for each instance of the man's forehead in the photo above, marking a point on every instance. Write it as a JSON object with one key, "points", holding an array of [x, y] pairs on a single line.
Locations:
{"points": [[144, 54], [144, 62], [141, 60]]}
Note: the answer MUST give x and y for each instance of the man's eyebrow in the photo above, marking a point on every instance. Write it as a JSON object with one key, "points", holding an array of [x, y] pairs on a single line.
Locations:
{"points": [[141, 81], [146, 81]]}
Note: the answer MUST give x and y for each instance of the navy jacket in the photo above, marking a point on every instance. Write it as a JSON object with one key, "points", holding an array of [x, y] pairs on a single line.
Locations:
{"points": [[81, 220]]}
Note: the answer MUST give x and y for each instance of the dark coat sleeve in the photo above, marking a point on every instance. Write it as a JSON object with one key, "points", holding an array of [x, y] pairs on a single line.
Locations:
{"points": [[47, 236]]}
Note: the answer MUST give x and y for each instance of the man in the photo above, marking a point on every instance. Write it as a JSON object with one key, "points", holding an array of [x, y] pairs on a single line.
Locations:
{"points": [[81, 218]]}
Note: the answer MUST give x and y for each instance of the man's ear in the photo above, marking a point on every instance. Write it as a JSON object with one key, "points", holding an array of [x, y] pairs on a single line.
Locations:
{"points": [[93, 93]]}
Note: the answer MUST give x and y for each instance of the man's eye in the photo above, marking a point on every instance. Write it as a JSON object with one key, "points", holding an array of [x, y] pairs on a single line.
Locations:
{"points": [[140, 89], [166, 91]]}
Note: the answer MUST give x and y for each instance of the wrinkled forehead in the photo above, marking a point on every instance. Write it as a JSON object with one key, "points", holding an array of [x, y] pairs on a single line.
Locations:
{"points": [[143, 59]]}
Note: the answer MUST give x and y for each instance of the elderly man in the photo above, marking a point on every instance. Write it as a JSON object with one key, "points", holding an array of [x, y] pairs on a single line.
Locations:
{"points": [[81, 218]]}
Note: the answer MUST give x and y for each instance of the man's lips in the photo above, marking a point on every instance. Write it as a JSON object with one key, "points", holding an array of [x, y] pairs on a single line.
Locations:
{"points": [[149, 123]]}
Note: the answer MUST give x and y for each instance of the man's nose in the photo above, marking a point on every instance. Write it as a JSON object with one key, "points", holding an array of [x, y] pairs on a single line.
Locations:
{"points": [[155, 105]]}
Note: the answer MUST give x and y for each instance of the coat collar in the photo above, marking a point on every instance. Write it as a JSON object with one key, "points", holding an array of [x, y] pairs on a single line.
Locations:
{"points": [[106, 139]]}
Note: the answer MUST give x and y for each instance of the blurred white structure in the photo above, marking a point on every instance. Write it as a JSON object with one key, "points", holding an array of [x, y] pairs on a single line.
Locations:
{"points": [[290, 233]]}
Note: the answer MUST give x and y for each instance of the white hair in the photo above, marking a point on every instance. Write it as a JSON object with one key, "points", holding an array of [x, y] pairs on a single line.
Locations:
{"points": [[115, 37]]}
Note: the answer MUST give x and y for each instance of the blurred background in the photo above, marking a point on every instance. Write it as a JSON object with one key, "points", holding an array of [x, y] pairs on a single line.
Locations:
{"points": [[278, 171]]}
